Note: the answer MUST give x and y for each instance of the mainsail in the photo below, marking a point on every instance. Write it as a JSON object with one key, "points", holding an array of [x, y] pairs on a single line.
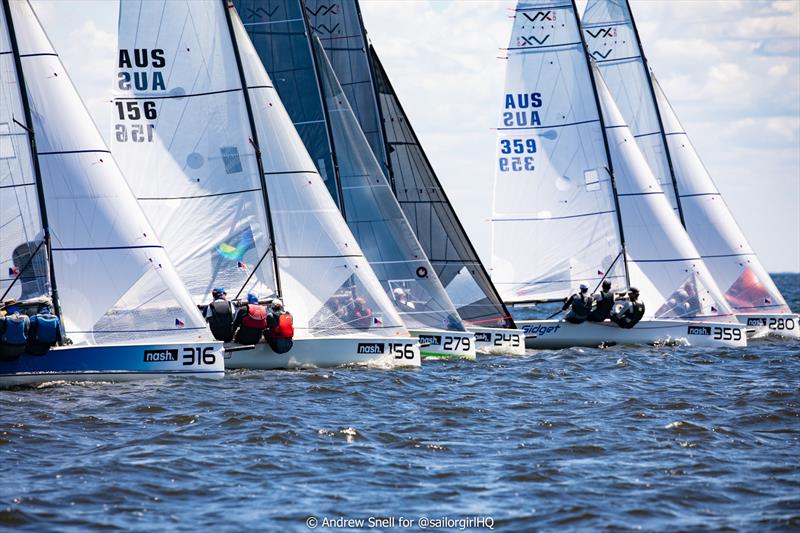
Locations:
{"points": [[613, 41], [69, 220], [224, 176], [386, 126], [366, 200], [571, 181]]}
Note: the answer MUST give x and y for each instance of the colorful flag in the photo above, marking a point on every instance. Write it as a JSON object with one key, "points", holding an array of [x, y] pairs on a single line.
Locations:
{"points": [[767, 301], [179, 323], [242, 266], [376, 321], [13, 271]]}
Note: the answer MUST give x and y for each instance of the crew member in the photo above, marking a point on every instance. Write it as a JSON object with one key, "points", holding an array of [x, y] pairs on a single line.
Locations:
{"points": [[14, 327], [44, 332], [280, 328], [250, 321], [578, 305], [630, 312], [220, 314], [603, 304]]}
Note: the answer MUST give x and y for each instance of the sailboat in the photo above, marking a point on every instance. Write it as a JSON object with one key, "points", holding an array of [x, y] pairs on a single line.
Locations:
{"points": [[613, 40], [413, 181], [226, 181], [325, 120], [74, 239], [574, 201]]}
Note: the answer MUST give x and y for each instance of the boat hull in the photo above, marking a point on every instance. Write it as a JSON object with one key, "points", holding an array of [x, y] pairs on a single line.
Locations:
{"points": [[554, 334], [499, 341], [771, 325], [115, 362], [326, 352], [443, 344]]}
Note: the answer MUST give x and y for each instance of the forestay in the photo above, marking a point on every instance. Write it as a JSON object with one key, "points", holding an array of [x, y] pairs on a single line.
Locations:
{"points": [[554, 221], [114, 280], [238, 207], [613, 41]]}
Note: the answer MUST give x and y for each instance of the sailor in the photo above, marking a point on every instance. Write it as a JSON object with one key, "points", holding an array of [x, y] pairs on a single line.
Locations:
{"points": [[603, 303], [401, 297], [44, 332], [250, 321], [630, 312], [280, 328], [361, 314], [14, 327], [578, 305], [219, 315]]}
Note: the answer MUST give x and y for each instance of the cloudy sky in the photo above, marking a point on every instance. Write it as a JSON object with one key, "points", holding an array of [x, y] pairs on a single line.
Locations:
{"points": [[730, 68]]}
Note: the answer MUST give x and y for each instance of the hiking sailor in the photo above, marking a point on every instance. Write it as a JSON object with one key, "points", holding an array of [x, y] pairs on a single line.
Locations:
{"points": [[630, 311], [603, 303], [44, 332], [578, 305], [219, 315], [14, 328], [250, 321], [280, 328]]}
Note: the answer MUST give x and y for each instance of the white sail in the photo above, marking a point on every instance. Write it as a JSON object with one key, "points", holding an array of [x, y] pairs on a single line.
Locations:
{"points": [[224, 222], [675, 275], [554, 222], [612, 40], [113, 277]]}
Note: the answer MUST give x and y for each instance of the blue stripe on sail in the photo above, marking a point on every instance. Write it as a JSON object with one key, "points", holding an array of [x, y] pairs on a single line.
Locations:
{"points": [[551, 127]]}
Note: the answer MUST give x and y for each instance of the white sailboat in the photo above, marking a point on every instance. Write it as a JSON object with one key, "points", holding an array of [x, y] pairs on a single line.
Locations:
{"points": [[74, 238], [227, 183], [613, 41], [411, 177], [574, 200], [325, 120]]}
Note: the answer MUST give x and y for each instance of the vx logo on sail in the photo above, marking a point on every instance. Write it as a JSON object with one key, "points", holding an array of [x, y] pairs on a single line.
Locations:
{"points": [[603, 32], [259, 13], [541, 15], [528, 41], [323, 10]]}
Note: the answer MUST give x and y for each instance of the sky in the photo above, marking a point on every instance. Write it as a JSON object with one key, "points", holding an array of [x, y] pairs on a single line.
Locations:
{"points": [[730, 68]]}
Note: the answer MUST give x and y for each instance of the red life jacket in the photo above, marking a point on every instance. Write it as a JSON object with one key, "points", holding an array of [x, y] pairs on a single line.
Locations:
{"points": [[256, 317], [285, 327]]}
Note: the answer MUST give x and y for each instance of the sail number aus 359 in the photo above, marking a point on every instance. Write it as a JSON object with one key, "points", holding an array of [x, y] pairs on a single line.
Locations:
{"points": [[516, 163]]}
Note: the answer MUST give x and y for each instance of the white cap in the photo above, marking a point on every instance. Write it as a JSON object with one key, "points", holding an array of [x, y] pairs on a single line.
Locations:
{"points": [[277, 303]]}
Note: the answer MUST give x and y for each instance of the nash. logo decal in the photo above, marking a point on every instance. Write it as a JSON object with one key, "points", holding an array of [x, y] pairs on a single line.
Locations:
{"points": [[432, 340], [699, 330], [756, 321], [160, 356], [483, 336], [370, 347]]}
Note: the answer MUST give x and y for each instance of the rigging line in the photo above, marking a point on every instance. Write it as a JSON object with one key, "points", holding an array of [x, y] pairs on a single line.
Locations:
{"points": [[13, 185], [170, 96], [537, 48], [255, 269], [99, 248], [62, 152], [549, 127], [609, 269], [21, 270], [144, 198]]}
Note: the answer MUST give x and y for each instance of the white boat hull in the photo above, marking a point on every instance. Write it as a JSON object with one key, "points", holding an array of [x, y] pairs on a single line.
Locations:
{"points": [[554, 334], [499, 341], [443, 344], [771, 325], [326, 352], [115, 362]]}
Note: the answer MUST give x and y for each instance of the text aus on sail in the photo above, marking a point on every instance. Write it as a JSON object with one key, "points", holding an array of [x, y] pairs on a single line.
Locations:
{"points": [[520, 111], [140, 70]]}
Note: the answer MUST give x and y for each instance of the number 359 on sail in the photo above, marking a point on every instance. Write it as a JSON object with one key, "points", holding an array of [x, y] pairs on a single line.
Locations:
{"points": [[513, 162]]}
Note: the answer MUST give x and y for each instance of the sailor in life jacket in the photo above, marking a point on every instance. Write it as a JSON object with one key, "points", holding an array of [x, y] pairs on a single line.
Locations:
{"points": [[14, 327], [280, 328], [45, 331], [603, 304], [579, 305], [250, 321], [220, 314], [630, 312]]}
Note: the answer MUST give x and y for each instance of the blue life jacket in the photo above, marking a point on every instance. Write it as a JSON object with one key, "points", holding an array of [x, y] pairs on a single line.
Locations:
{"points": [[14, 330], [45, 329]]}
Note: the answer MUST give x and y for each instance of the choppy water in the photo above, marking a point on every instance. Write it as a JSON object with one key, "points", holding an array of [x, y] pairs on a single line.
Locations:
{"points": [[618, 439]]}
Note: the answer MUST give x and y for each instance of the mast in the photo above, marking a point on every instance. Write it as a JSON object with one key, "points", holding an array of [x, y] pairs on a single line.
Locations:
{"points": [[446, 200], [324, 106], [23, 90], [658, 114], [610, 167], [227, 5]]}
